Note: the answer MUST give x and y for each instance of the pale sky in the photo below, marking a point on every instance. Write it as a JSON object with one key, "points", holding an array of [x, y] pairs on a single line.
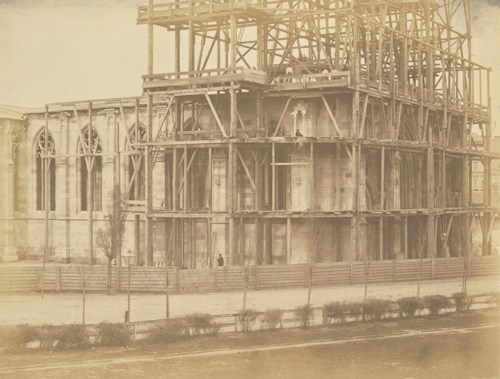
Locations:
{"points": [[65, 50]]}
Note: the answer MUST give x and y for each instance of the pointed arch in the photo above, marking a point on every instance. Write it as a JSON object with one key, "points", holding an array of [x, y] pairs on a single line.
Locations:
{"points": [[45, 162], [90, 167]]}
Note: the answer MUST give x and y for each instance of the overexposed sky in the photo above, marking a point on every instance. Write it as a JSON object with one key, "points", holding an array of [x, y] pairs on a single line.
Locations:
{"points": [[64, 50], [54, 51]]}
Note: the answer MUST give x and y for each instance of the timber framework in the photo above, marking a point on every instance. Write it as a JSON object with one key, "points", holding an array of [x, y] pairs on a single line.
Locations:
{"points": [[301, 131], [316, 130]]}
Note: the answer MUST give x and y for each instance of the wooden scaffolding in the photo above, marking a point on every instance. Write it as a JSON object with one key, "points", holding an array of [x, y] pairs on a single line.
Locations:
{"points": [[339, 128]]}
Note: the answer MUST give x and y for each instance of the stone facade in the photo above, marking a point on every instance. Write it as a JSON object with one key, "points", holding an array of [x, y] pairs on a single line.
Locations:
{"points": [[23, 220]]}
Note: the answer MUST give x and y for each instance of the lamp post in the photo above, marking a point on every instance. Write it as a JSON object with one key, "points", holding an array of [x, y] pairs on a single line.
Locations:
{"points": [[129, 260]]}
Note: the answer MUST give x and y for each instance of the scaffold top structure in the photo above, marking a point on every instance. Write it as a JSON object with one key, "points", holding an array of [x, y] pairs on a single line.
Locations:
{"points": [[406, 48]]}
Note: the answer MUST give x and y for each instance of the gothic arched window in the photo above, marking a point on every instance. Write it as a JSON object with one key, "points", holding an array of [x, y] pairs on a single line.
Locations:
{"points": [[90, 170], [135, 182], [45, 171]]}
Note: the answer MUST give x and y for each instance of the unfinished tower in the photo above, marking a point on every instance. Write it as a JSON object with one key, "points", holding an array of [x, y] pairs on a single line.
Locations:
{"points": [[311, 131]]}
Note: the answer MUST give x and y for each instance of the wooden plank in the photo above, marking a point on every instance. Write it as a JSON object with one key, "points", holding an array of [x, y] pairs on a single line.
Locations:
{"points": [[247, 171], [278, 126], [214, 112], [332, 117]]}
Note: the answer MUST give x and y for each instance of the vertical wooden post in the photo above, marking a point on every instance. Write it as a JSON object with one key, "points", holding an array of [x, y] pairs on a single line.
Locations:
{"points": [[148, 183], [58, 278], [175, 203], [258, 184], [90, 190], [403, 64], [191, 42], [177, 48], [241, 244], [356, 148], [234, 104], [355, 220], [443, 180], [381, 238], [487, 246], [406, 237], [234, 41], [168, 235], [137, 220], [150, 37], [431, 243], [210, 252], [338, 166], [192, 243], [312, 192], [46, 172], [382, 178], [117, 192], [231, 193], [137, 238], [185, 180], [432, 268], [177, 280], [420, 115], [273, 177], [288, 240], [234, 112], [351, 269]]}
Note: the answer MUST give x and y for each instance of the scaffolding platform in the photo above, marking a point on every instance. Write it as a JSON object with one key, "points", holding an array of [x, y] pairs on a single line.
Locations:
{"points": [[312, 81], [180, 12], [219, 77]]}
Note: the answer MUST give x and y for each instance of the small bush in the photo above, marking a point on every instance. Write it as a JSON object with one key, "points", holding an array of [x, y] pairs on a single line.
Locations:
{"points": [[304, 315], [246, 319], [197, 323], [408, 306], [436, 303], [48, 337], [72, 337], [354, 310], [462, 301], [375, 309], [335, 310], [392, 307], [15, 338], [272, 319], [169, 331], [214, 328], [113, 334]]}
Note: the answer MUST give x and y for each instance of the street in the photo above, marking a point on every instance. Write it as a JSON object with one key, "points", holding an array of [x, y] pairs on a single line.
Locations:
{"points": [[459, 345]]}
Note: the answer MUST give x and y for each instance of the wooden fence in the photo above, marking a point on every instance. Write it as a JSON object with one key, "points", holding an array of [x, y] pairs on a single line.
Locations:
{"points": [[225, 279]]}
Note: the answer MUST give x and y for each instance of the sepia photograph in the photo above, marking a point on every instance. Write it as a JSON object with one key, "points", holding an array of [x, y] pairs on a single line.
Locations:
{"points": [[249, 189]]}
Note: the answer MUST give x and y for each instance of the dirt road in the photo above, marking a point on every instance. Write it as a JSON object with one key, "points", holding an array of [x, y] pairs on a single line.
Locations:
{"points": [[455, 345], [66, 308]]}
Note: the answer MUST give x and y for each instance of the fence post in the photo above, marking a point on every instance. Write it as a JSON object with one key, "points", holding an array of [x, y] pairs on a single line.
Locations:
{"points": [[115, 284], [177, 280], [432, 268], [58, 278], [350, 274], [394, 271], [257, 278], [40, 275], [306, 275]]}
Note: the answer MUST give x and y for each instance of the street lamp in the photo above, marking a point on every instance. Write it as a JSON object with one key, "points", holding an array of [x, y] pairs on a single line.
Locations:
{"points": [[128, 259]]}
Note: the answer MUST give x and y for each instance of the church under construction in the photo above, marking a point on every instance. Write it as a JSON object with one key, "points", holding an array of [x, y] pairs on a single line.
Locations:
{"points": [[287, 132]]}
